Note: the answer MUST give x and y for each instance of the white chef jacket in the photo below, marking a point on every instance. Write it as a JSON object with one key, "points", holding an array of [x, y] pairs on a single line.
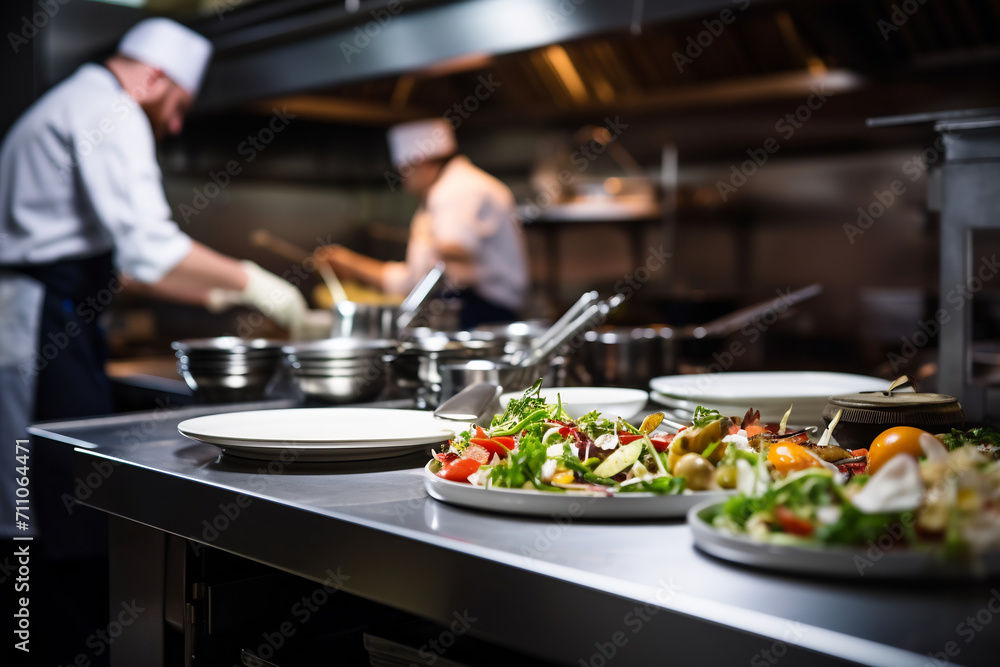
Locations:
{"points": [[78, 177], [468, 207]]}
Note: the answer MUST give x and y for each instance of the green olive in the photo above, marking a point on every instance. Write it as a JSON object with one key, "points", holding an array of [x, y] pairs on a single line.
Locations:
{"points": [[699, 471], [725, 476]]}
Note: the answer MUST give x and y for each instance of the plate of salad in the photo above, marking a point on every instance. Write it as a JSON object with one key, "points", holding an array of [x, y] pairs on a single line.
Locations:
{"points": [[924, 507], [534, 459]]}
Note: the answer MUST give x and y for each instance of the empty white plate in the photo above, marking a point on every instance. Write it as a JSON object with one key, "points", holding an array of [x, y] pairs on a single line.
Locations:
{"points": [[321, 433], [779, 386], [770, 392], [578, 401]]}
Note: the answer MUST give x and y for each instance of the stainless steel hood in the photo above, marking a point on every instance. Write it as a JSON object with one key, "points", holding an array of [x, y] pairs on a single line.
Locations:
{"points": [[322, 47]]}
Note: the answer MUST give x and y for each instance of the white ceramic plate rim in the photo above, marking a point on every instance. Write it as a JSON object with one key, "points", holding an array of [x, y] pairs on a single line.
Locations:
{"points": [[531, 502], [418, 427], [765, 386]]}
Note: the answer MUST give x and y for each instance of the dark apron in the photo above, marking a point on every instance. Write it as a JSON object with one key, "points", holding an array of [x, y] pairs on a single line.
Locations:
{"points": [[71, 381], [476, 310], [72, 573]]}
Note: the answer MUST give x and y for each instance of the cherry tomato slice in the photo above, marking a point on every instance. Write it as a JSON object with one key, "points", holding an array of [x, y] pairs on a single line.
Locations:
{"points": [[792, 524], [492, 446], [458, 470], [661, 442], [477, 452]]}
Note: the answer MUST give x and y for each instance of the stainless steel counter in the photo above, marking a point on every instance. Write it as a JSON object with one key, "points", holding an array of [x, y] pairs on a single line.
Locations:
{"points": [[565, 590]]}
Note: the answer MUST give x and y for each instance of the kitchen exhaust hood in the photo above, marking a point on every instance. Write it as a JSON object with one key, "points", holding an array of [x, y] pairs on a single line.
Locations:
{"points": [[326, 46], [390, 59]]}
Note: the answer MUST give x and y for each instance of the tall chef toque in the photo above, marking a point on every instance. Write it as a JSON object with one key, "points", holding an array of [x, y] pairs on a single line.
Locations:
{"points": [[180, 52], [421, 140]]}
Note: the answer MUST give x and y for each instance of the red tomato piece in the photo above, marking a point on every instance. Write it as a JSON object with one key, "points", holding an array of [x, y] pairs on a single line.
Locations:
{"points": [[492, 446], [480, 433], [661, 442], [446, 456], [459, 470], [791, 523], [477, 452], [505, 440]]}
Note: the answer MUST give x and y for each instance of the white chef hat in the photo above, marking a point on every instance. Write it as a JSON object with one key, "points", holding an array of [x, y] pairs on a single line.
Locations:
{"points": [[421, 140], [180, 52]]}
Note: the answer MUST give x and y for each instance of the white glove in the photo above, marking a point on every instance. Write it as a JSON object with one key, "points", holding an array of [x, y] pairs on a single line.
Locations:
{"points": [[275, 297]]}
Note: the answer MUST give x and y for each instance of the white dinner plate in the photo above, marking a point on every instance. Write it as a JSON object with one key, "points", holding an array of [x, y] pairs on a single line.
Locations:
{"points": [[578, 401], [733, 394], [805, 412], [577, 505], [778, 386], [330, 434], [890, 561]]}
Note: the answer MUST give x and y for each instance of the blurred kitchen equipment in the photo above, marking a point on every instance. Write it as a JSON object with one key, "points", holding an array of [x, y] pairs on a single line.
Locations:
{"points": [[456, 376], [470, 404], [265, 239], [378, 321], [632, 356], [585, 300], [516, 335], [341, 370], [229, 369], [541, 361], [419, 296], [867, 414], [418, 364], [364, 320], [624, 356]]}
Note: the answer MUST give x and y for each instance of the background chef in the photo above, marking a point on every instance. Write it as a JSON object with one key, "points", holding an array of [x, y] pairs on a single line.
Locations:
{"points": [[466, 218], [81, 206]]}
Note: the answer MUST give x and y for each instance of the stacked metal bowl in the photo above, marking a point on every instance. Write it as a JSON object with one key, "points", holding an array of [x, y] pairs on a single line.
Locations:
{"points": [[341, 370], [229, 369]]}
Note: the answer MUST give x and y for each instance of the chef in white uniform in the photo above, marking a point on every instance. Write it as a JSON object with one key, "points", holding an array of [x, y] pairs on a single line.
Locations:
{"points": [[466, 218], [82, 211]]}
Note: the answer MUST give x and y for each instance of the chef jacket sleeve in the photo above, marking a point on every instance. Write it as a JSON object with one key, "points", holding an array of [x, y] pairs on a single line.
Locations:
{"points": [[456, 220], [122, 182]]}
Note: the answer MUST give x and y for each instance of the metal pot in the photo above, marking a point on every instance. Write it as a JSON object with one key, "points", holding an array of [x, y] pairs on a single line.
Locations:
{"points": [[341, 370], [419, 359], [456, 376], [229, 369], [625, 356], [364, 320], [517, 335]]}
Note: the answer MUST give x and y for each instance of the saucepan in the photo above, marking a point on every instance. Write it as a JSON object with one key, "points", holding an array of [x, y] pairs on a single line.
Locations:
{"points": [[632, 356], [521, 368]]}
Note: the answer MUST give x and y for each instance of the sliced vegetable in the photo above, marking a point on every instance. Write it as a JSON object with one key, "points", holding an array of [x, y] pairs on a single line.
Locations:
{"points": [[620, 459], [458, 470]]}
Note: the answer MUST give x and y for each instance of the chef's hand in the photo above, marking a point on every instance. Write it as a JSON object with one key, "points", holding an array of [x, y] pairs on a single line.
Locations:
{"points": [[277, 298], [340, 259], [350, 265]]}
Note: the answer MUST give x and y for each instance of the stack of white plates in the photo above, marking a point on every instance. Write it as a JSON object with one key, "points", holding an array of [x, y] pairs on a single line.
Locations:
{"points": [[772, 393], [321, 434]]}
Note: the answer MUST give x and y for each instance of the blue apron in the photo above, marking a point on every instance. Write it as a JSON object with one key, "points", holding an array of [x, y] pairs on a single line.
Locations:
{"points": [[476, 310], [70, 382]]}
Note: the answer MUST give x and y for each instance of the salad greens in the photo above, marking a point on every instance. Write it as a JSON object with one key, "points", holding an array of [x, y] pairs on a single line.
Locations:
{"points": [[983, 435], [703, 416], [537, 445]]}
